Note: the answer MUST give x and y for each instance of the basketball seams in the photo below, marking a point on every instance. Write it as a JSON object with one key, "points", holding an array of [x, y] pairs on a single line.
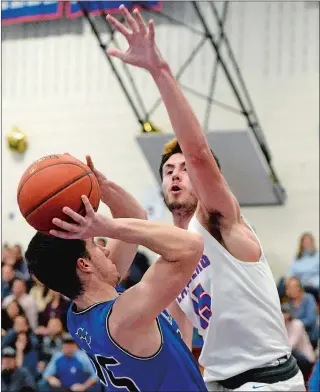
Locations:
{"points": [[43, 168], [58, 191]]}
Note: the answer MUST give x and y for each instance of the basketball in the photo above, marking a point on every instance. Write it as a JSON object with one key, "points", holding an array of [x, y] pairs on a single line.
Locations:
{"points": [[54, 182]]}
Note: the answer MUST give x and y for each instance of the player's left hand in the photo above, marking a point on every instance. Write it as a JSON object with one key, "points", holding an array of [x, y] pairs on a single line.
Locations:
{"points": [[142, 51], [91, 225]]}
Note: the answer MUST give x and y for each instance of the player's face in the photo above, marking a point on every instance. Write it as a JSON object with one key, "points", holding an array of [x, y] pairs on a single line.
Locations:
{"points": [[176, 186], [104, 267]]}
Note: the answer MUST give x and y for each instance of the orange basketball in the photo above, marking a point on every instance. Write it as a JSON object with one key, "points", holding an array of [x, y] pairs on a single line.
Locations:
{"points": [[54, 182]]}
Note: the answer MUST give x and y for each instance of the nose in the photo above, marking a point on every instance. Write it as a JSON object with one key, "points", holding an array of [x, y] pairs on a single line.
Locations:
{"points": [[176, 175]]}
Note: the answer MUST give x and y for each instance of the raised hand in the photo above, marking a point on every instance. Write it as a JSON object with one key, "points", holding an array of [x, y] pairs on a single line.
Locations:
{"points": [[92, 225], [142, 51]]}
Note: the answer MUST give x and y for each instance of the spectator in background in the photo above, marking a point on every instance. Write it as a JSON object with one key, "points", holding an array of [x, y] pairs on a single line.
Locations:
{"points": [[305, 308], [41, 294], [57, 308], [6, 254], [7, 279], [13, 378], [51, 339], [305, 266], [27, 353], [20, 264], [70, 369], [9, 314], [19, 293], [299, 341]]}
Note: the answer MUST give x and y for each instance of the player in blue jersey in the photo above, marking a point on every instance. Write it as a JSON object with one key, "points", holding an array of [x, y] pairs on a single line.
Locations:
{"points": [[133, 343]]}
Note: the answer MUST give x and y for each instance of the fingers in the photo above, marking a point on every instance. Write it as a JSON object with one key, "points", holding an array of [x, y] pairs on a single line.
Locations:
{"points": [[151, 30], [65, 225], [89, 209], [129, 18], [116, 53], [62, 234], [89, 162], [119, 26], [141, 24], [74, 215]]}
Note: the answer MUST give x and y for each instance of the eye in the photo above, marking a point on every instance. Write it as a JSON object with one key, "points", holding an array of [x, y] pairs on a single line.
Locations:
{"points": [[169, 172]]}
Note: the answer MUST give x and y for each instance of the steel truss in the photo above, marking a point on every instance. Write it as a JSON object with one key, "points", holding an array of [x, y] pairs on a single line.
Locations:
{"points": [[225, 60]]}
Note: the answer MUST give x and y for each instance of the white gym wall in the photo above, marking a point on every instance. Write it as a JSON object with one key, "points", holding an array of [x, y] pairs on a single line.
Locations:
{"points": [[58, 88]]}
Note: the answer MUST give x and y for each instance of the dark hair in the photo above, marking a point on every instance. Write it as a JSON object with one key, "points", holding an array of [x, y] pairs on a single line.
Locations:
{"points": [[173, 147], [53, 261]]}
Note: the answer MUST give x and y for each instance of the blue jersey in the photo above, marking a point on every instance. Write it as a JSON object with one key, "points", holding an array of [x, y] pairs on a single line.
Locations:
{"points": [[172, 368]]}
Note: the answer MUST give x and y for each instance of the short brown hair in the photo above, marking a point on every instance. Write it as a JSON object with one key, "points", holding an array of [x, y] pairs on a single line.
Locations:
{"points": [[173, 147]]}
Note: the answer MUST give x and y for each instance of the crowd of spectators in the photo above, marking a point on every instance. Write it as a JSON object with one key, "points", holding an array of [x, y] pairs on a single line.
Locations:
{"points": [[39, 355]]}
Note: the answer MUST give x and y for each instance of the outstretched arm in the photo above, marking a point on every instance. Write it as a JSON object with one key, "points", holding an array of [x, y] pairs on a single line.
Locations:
{"points": [[208, 183], [122, 205]]}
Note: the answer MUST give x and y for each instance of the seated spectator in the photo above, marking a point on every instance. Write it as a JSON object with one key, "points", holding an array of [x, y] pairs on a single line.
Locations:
{"points": [[41, 294], [19, 293], [6, 254], [305, 308], [305, 266], [9, 314], [71, 369], [27, 353], [57, 308], [7, 279], [14, 378], [51, 339], [299, 341], [20, 325], [20, 264]]}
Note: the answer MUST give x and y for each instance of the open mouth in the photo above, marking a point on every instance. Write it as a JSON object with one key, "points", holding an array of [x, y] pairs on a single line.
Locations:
{"points": [[175, 189]]}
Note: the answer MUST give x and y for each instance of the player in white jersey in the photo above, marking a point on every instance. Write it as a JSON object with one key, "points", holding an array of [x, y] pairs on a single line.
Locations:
{"points": [[231, 297]]}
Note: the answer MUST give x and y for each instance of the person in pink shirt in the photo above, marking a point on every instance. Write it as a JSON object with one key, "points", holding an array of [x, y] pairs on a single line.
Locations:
{"points": [[298, 338]]}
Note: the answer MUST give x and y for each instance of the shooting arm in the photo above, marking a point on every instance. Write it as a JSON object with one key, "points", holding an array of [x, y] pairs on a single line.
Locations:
{"points": [[180, 252]]}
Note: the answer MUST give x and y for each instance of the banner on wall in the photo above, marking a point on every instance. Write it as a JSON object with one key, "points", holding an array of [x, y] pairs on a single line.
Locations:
{"points": [[30, 11], [74, 10]]}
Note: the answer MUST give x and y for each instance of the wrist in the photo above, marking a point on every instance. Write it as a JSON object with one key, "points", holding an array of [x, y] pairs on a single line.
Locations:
{"points": [[159, 70]]}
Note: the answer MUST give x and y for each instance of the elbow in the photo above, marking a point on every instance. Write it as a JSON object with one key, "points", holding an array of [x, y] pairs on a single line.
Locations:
{"points": [[196, 247]]}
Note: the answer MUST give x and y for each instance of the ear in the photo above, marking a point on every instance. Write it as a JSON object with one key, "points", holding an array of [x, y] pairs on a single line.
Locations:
{"points": [[84, 265]]}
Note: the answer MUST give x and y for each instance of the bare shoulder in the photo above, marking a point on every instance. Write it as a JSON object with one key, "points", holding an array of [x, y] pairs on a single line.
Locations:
{"points": [[128, 337]]}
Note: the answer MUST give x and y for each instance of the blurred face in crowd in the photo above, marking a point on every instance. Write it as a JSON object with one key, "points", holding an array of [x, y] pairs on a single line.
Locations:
{"points": [[22, 339], [293, 288], [13, 310], [19, 288], [8, 363], [17, 252], [54, 327], [307, 242], [69, 348], [6, 253], [21, 324], [7, 273]]}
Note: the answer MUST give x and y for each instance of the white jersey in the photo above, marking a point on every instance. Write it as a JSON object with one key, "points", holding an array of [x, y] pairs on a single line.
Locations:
{"points": [[235, 307]]}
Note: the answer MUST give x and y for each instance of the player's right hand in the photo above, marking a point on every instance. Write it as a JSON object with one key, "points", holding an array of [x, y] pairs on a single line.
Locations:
{"points": [[84, 227]]}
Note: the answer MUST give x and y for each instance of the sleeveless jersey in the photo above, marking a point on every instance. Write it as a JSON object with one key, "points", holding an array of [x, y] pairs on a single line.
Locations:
{"points": [[172, 368], [235, 307]]}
